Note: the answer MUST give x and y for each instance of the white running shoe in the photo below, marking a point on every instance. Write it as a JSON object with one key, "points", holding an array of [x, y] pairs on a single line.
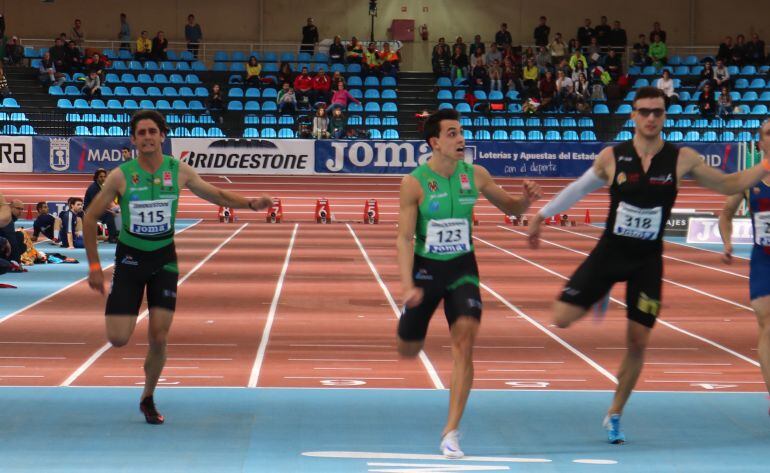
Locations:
{"points": [[450, 445]]}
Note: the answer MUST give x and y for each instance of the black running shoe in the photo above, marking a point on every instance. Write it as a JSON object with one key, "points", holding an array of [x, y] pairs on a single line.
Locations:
{"points": [[151, 414]]}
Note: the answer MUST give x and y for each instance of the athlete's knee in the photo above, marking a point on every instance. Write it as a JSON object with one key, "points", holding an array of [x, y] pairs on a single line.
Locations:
{"points": [[158, 340], [118, 339], [637, 341], [409, 349], [565, 314], [464, 332]]}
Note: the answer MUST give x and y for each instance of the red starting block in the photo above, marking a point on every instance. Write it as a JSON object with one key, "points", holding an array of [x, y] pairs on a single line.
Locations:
{"points": [[226, 215], [323, 212], [371, 212], [514, 220], [275, 212], [474, 218], [564, 220]]}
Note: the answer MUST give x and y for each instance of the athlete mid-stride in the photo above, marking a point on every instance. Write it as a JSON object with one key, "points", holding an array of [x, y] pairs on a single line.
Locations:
{"points": [[145, 257], [436, 258]]}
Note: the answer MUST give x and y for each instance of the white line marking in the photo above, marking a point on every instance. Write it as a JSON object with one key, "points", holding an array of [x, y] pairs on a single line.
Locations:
{"points": [[430, 467], [521, 362], [343, 359], [423, 356], [692, 372], [622, 304], [419, 456], [341, 345], [165, 376], [501, 347], [92, 359], [194, 344], [44, 343], [528, 379], [43, 299], [172, 358], [345, 368], [650, 348], [226, 179], [20, 376], [257, 367], [558, 339], [33, 357], [510, 371], [682, 363], [707, 382], [326, 377]]}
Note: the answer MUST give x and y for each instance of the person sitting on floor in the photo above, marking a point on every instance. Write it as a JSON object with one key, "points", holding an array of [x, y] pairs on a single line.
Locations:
{"points": [[71, 224], [44, 223]]}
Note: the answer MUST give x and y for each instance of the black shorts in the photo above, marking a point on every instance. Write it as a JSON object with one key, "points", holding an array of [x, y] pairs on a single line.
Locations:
{"points": [[136, 269], [456, 281], [610, 263]]}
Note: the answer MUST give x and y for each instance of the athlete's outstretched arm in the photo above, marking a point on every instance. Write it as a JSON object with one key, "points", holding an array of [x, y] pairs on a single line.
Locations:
{"points": [[726, 225], [727, 184], [602, 170], [114, 184], [5, 211], [189, 178], [409, 198], [507, 203]]}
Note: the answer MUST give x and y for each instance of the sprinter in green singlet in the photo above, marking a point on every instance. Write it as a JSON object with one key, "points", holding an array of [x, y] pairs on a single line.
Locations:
{"points": [[435, 253], [145, 257]]}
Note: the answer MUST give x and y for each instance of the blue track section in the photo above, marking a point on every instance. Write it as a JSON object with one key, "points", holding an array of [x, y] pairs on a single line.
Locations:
{"points": [[42, 280], [336, 430]]}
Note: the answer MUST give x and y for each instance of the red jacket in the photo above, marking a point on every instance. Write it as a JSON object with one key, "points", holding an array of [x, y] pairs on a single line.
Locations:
{"points": [[322, 83], [303, 83]]}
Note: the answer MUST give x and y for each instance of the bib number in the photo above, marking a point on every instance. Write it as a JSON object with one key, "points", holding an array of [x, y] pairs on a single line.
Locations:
{"points": [[636, 222], [150, 217], [762, 228], [449, 235]]}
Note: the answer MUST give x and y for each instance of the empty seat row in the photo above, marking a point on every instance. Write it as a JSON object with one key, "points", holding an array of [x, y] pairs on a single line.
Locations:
{"points": [[13, 117], [531, 135], [171, 118], [134, 91], [11, 129], [129, 78], [99, 130], [131, 104]]}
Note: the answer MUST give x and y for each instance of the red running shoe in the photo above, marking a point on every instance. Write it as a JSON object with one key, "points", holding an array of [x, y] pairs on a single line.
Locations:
{"points": [[151, 414]]}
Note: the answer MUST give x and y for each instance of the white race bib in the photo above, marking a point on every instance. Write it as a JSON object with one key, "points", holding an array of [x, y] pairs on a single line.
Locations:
{"points": [[762, 228], [150, 217], [448, 235], [636, 222]]}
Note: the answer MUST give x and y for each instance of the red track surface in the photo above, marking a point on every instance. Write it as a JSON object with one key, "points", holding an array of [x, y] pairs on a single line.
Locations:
{"points": [[332, 323]]}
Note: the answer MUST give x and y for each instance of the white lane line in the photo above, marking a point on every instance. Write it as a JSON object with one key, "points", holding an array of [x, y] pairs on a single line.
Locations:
{"points": [[164, 376], [685, 363], [326, 377], [194, 344], [33, 357], [531, 379], [339, 345], [692, 372], [92, 359], [693, 263], [344, 368], [12, 366], [20, 376], [43, 343], [502, 347], [622, 304], [181, 367], [521, 362], [432, 373], [558, 339], [651, 348], [356, 360], [226, 179], [176, 358], [722, 381], [260, 358], [514, 371], [43, 299]]}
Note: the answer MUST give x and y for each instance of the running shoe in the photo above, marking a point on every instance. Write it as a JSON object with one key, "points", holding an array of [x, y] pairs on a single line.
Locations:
{"points": [[600, 308], [614, 434], [450, 445], [151, 414]]}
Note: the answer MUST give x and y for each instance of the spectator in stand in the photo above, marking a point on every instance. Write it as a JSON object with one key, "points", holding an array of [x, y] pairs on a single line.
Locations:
{"points": [[564, 66], [603, 31], [337, 51], [160, 47], [476, 57], [459, 64], [4, 89], [77, 34], [355, 52], [48, 73], [585, 32], [739, 51], [216, 103], [564, 97], [542, 32], [15, 238], [618, 37], [476, 45], [253, 72], [124, 34], [287, 101], [285, 74], [337, 78], [547, 90], [321, 87], [641, 53], [389, 60], [479, 76], [143, 47], [503, 36], [71, 232], [543, 58], [59, 55], [755, 50], [576, 57], [658, 52], [495, 77], [99, 64], [309, 37], [725, 52], [721, 75], [725, 103], [44, 224], [493, 54], [108, 218], [572, 46], [92, 88], [666, 84], [320, 124], [459, 43], [74, 59], [529, 53], [657, 31], [575, 74], [512, 76], [303, 89], [613, 65], [192, 34], [593, 52], [582, 94], [337, 124], [14, 53], [531, 74], [341, 98], [706, 75], [371, 60], [706, 102], [558, 49]]}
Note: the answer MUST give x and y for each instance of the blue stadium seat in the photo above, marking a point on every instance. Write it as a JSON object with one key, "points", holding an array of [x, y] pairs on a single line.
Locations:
{"points": [[221, 56], [550, 122], [443, 82], [372, 107], [235, 106], [587, 135], [252, 92], [634, 70], [512, 95], [81, 103], [286, 120], [238, 56], [765, 97], [690, 60], [674, 60], [251, 106], [270, 56], [552, 135], [98, 130], [354, 82], [463, 108], [114, 104], [27, 130], [482, 135], [683, 123], [220, 67], [250, 133], [681, 71], [757, 83], [734, 123], [354, 68], [445, 106], [163, 104], [499, 135], [467, 135], [496, 96], [215, 132], [390, 121], [130, 104], [533, 122], [235, 92], [623, 109], [55, 90], [198, 132], [238, 67], [692, 136], [601, 109], [116, 131], [700, 123], [741, 83], [371, 81], [179, 105], [480, 94], [586, 123], [497, 122], [691, 109], [535, 135], [709, 136], [375, 134], [568, 122], [82, 130], [170, 92], [372, 121], [269, 106], [759, 109], [518, 135], [390, 134], [137, 91], [727, 136], [389, 94], [443, 94], [745, 136], [641, 83], [514, 108], [388, 81], [649, 71], [372, 94], [733, 70], [389, 107], [269, 93], [748, 70], [481, 121], [465, 122], [72, 91]]}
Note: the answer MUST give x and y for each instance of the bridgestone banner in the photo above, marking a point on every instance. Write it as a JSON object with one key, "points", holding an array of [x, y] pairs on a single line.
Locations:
{"points": [[246, 156]]}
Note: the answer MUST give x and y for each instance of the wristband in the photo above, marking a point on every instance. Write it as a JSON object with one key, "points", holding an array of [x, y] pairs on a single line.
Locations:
{"points": [[766, 164], [94, 267]]}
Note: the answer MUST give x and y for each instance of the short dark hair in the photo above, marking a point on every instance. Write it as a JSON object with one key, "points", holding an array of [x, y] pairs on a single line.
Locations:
{"points": [[648, 93], [432, 127], [73, 200], [40, 205], [99, 171], [153, 115]]}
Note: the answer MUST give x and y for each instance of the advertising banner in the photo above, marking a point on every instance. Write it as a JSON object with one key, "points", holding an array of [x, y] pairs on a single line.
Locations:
{"points": [[246, 156], [80, 154], [16, 154]]}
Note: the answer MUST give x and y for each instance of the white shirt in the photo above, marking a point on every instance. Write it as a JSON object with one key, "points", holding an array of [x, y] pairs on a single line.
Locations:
{"points": [[667, 86]]}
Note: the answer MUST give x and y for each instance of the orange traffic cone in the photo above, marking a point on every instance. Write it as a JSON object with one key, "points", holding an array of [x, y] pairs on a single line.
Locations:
{"points": [[587, 220]]}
